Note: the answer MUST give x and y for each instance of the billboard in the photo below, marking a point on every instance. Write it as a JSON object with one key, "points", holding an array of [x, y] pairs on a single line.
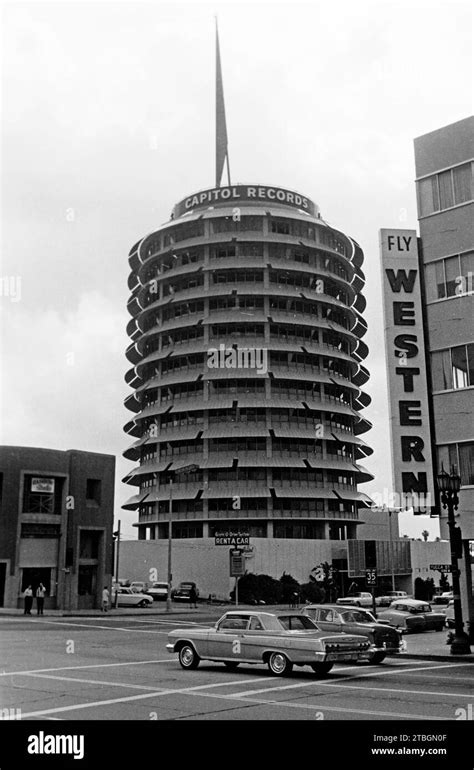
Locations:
{"points": [[406, 372]]}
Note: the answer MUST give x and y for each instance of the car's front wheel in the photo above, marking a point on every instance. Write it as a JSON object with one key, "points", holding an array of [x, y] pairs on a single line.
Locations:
{"points": [[143, 603], [188, 657], [322, 668], [279, 664], [377, 657]]}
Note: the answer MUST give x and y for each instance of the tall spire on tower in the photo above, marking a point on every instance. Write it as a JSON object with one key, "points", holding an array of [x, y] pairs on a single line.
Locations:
{"points": [[222, 152]]}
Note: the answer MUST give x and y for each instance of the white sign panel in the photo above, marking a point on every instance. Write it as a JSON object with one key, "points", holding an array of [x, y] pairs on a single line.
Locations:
{"points": [[42, 485], [406, 372]]}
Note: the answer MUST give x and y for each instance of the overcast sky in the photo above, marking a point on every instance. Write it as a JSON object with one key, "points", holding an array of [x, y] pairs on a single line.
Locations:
{"points": [[108, 120]]}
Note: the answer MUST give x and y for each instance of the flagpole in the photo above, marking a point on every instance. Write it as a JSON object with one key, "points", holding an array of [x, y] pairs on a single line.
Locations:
{"points": [[222, 154]]}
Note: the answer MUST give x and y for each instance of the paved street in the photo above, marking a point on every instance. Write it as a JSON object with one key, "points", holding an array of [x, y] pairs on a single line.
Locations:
{"points": [[110, 668]]}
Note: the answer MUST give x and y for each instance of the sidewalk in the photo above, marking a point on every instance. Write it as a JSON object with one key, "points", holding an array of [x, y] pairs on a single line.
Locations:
{"points": [[430, 645]]}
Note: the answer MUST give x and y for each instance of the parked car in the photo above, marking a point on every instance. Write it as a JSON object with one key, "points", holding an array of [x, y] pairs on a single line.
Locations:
{"points": [[361, 599], [129, 598], [139, 586], [443, 598], [158, 591], [389, 597], [335, 619], [413, 615], [279, 639], [449, 615], [183, 591]]}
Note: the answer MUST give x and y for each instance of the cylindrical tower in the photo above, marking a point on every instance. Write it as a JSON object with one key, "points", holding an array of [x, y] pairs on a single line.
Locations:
{"points": [[246, 360]]}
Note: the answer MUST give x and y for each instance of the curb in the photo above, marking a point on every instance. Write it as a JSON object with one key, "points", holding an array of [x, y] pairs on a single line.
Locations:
{"points": [[430, 656]]}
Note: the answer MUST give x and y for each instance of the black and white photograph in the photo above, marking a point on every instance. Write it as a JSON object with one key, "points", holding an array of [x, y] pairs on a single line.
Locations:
{"points": [[237, 381]]}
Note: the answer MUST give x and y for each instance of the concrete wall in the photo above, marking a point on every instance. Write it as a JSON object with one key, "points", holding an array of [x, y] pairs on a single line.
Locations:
{"points": [[424, 554], [208, 564], [376, 525]]}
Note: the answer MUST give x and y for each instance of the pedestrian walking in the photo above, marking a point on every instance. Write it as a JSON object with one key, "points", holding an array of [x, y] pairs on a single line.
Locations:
{"points": [[28, 600], [40, 592], [193, 597], [105, 599]]}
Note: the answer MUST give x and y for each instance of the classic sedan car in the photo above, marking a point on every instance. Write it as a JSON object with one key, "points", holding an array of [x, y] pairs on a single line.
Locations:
{"points": [[183, 592], [129, 598], [158, 591], [413, 615], [389, 597], [279, 639], [383, 639], [361, 599]]}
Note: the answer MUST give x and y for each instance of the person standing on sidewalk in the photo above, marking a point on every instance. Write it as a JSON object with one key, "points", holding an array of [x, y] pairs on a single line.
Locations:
{"points": [[193, 597], [28, 600], [40, 592], [105, 599]]}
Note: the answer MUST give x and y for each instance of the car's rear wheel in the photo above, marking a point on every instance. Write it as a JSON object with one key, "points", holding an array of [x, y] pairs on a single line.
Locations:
{"points": [[377, 657], [440, 627], [322, 668], [230, 664], [188, 657], [279, 664]]}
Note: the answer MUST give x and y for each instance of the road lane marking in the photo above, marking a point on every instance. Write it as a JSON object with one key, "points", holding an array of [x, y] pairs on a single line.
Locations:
{"points": [[106, 628], [126, 699], [226, 697], [94, 665], [342, 680]]}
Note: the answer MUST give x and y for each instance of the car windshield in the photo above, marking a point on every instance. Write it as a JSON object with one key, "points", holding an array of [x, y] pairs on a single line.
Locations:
{"points": [[420, 608], [357, 617], [297, 623]]}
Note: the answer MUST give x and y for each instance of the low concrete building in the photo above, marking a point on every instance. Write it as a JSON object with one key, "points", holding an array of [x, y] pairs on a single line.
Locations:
{"points": [[55, 525]]}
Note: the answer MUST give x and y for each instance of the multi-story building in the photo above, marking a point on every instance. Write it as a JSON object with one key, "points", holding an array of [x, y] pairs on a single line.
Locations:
{"points": [[56, 525], [444, 169], [247, 362]]}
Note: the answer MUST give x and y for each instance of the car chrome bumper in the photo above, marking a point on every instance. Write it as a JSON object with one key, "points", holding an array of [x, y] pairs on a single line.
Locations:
{"points": [[342, 656], [170, 647]]}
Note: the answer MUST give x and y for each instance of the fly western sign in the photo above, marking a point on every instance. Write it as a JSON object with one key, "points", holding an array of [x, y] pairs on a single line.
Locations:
{"points": [[406, 371]]}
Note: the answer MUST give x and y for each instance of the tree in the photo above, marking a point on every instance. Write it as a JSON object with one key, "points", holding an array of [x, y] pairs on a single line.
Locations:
{"points": [[288, 587], [425, 535], [324, 576], [420, 589]]}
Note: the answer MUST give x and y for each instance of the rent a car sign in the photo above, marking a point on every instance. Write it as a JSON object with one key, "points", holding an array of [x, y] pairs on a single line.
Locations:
{"points": [[231, 538]]}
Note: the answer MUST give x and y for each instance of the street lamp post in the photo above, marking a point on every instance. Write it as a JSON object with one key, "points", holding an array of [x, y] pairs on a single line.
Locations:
{"points": [[449, 486]]}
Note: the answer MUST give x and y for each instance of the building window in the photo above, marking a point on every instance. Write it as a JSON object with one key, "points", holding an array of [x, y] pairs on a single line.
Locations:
{"points": [[461, 456], [459, 367], [453, 368], [41, 494], [446, 189], [36, 531], [93, 490], [466, 462]]}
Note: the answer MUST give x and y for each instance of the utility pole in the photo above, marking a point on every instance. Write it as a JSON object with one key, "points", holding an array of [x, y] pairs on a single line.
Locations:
{"points": [[170, 541], [117, 534]]}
